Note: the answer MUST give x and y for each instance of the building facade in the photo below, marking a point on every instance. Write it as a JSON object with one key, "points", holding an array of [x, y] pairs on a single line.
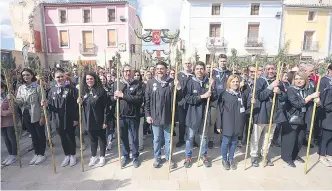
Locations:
{"points": [[307, 26], [91, 31], [250, 27]]}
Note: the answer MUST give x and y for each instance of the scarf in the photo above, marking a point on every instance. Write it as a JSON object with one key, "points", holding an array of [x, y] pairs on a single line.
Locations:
{"points": [[201, 82], [267, 79], [162, 82], [232, 92], [32, 85], [302, 91], [187, 74], [127, 82], [59, 88]]}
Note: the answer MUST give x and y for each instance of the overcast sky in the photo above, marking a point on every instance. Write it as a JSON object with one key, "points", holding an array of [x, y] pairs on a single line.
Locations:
{"points": [[155, 14]]}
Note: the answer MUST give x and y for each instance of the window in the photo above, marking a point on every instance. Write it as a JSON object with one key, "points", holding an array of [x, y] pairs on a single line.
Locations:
{"points": [[308, 40], [64, 38], [253, 30], [215, 9], [254, 9], [63, 16], [111, 15], [87, 39], [311, 15], [215, 30], [111, 37], [86, 15]]}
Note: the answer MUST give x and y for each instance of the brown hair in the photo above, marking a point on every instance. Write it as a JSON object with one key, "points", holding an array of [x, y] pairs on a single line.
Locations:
{"points": [[230, 78], [303, 76]]}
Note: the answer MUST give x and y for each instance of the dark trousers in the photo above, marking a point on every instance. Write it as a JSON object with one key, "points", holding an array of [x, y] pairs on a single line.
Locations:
{"points": [[129, 125], [77, 133], [110, 130], [325, 147], [37, 134], [277, 132], [244, 136], [182, 122], [146, 127], [8, 134], [95, 136], [292, 141], [68, 142]]}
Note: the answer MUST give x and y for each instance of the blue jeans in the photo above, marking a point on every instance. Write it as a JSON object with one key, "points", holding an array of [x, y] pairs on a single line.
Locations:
{"points": [[228, 146], [129, 126], [158, 132], [191, 132]]}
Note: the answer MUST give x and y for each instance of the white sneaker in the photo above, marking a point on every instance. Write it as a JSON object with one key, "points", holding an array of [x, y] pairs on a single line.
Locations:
{"points": [[93, 161], [65, 161], [325, 161], [101, 162], [12, 160], [33, 160], [6, 160], [40, 159], [72, 160]]}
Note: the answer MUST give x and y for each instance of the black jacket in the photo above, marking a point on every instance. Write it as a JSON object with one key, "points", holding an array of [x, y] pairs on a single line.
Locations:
{"points": [[197, 106], [325, 82], [230, 116], [326, 103], [158, 101], [183, 79], [263, 106], [220, 80], [62, 106], [95, 110], [132, 99]]}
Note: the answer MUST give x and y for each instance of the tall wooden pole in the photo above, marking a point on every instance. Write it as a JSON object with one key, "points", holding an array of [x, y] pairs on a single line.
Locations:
{"points": [[80, 75], [118, 109]]}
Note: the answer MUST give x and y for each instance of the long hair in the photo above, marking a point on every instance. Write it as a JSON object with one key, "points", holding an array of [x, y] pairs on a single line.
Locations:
{"points": [[97, 87], [303, 76], [140, 75], [33, 79]]}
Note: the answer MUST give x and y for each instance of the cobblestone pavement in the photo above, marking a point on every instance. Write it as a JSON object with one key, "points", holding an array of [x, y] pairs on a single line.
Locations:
{"points": [[111, 177]]}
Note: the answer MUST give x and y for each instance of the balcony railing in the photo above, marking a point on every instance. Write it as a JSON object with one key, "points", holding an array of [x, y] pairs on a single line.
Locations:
{"points": [[253, 43], [216, 42], [88, 49], [310, 46]]}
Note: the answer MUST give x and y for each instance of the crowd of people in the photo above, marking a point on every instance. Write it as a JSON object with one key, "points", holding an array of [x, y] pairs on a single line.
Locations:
{"points": [[145, 100]]}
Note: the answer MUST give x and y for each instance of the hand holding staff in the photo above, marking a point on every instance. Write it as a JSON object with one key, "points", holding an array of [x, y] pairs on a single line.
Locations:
{"points": [[80, 74], [251, 116], [173, 116], [271, 115], [206, 116]]}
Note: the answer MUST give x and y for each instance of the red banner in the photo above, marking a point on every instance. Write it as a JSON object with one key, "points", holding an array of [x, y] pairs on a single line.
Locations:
{"points": [[156, 37]]}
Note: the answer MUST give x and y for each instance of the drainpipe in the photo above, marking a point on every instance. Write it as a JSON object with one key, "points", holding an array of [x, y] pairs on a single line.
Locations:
{"points": [[43, 32], [281, 36], [329, 40]]}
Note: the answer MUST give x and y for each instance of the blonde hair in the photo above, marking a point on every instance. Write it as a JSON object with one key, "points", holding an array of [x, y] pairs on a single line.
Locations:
{"points": [[230, 78], [303, 76]]}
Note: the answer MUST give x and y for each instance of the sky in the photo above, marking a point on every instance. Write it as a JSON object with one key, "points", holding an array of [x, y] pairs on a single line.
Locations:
{"points": [[155, 14]]}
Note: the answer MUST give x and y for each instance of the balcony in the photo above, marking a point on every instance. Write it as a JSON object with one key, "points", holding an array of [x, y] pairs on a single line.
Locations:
{"points": [[216, 42], [253, 43], [310, 46], [88, 49]]}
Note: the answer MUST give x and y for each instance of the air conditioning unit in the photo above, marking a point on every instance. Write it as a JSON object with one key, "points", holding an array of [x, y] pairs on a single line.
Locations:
{"points": [[122, 18], [278, 14]]}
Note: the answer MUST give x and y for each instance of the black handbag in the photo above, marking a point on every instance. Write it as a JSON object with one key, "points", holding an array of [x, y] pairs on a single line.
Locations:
{"points": [[296, 120]]}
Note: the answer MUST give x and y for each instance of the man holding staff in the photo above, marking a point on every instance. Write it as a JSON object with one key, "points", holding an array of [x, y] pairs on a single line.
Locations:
{"points": [[130, 97], [266, 86]]}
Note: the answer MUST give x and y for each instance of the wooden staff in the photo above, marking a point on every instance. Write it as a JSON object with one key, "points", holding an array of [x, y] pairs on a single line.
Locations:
{"points": [[46, 120], [14, 116], [173, 118], [206, 117], [311, 127], [251, 116], [80, 70], [118, 110], [271, 115]]}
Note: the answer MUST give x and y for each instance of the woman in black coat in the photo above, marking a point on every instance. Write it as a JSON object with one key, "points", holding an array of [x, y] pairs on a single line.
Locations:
{"points": [[300, 99], [231, 107], [64, 115], [325, 148], [95, 115]]}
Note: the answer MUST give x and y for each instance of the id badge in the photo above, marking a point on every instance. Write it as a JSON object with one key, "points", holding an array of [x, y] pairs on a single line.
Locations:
{"points": [[304, 109], [239, 99], [242, 110]]}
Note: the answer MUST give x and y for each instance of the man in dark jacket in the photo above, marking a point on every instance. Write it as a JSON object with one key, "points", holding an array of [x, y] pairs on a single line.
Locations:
{"points": [[131, 96], [158, 111], [266, 86], [74, 79]]}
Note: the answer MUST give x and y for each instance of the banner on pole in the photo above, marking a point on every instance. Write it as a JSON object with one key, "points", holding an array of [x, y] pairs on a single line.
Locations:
{"points": [[156, 37]]}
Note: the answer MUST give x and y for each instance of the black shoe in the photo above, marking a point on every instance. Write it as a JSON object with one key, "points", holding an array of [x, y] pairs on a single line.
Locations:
{"points": [[173, 164], [187, 163], [254, 162], [299, 159], [174, 133], [180, 143], [233, 165], [305, 143], [276, 144], [157, 163], [210, 144], [225, 164], [206, 162], [136, 163], [195, 144], [125, 161], [269, 163], [291, 164]]}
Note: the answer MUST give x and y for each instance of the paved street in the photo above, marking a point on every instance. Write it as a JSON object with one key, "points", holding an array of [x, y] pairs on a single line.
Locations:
{"points": [[110, 177]]}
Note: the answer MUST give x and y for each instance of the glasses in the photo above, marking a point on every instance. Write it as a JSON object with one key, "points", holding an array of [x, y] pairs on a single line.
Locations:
{"points": [[298, 79]]}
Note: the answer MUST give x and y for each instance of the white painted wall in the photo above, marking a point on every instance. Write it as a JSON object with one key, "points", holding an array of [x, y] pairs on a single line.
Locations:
{"points": [[234, 18]]}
